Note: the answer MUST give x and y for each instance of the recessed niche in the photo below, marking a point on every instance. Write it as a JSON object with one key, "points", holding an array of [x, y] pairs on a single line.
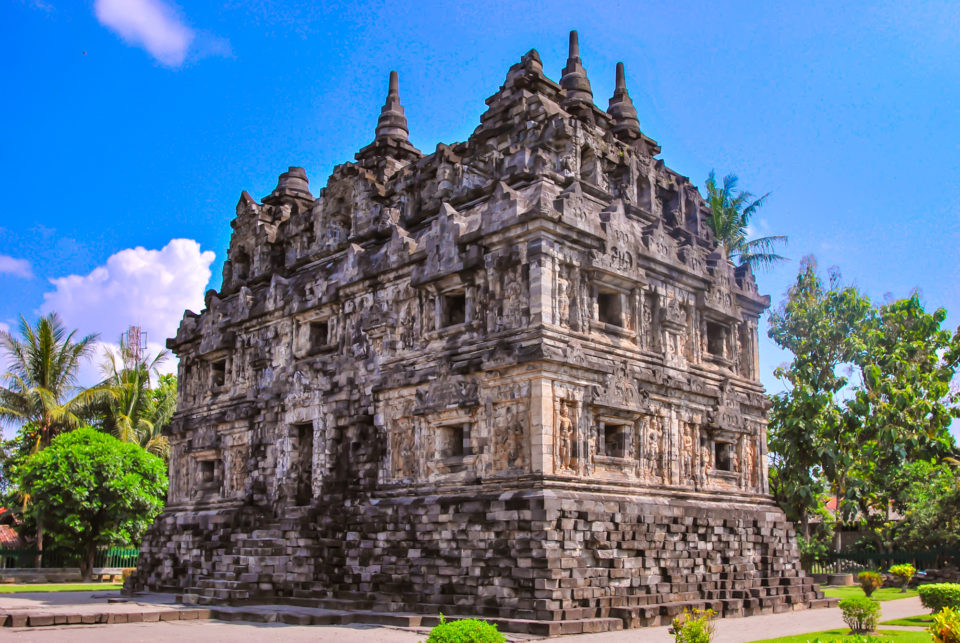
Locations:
{"points": [[609, 308], [450, 439], [721, 456], [207, 471], [454, 309], [319, 334], [716, 338], [218, 372], [614, 440]]}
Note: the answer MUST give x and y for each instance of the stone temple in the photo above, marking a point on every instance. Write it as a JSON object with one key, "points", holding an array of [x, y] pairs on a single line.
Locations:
{"points": [[513, 378]]}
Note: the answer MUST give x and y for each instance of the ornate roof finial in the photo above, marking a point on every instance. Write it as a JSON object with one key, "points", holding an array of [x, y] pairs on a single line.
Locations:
{"points": [[392, 122], [621, 108], [574, 80]]}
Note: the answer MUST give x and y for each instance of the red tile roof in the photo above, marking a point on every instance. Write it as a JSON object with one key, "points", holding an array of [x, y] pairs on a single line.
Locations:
{"points": [[9, 539]]}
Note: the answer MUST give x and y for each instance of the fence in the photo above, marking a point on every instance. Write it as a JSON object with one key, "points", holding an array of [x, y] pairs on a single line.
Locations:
{"points": [[852, 562], [112, 557]]}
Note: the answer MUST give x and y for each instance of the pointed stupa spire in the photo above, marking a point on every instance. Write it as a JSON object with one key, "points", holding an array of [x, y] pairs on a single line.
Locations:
{"points": [[574, 81], [621, 108], [392, 122]]}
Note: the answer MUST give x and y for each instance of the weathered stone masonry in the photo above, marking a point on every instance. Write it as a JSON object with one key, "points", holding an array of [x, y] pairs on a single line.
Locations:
{"points": [[512, 378]]}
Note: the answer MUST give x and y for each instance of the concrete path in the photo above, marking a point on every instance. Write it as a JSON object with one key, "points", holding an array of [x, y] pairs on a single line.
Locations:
{"points": [[755, 628], [740, 630]]}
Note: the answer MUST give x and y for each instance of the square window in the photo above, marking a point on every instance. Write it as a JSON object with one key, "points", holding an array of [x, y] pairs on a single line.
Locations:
{"points": [[614, 440], [716, 338], [454, 309], [450, 441], [218, 373], [721, 453], [609, 308], [319, 334], [208, 471]]}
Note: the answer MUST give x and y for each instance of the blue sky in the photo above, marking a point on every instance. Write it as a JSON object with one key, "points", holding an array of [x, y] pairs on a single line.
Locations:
{"points": [[131, 123]]}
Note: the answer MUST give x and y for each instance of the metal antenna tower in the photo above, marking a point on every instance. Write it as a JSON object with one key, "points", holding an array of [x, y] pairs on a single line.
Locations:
{"points": [[135, 340]]}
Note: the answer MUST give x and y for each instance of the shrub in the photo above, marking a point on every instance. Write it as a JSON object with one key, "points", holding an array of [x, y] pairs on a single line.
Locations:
{"points": [[937, 596], [694, 626], [869, 582], [946, 626], [468, 630], [904, 574], [860, 614]]}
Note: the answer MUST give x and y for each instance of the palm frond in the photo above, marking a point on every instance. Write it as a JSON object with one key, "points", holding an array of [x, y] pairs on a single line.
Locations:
{"points": [[730, 213]]}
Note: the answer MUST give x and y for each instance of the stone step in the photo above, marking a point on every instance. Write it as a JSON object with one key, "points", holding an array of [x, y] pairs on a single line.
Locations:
{"points": [[207, 596], [661, 613], [218, 583], [33, 619], [329, 603]]}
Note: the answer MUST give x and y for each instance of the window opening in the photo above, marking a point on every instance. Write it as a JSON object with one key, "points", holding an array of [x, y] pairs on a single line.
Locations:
{"points": [[454, 309], [319, 334], [721, 452], [609, 308], [716, 336], [208, 471], [614, 440], [218, 372], [451, 439]]}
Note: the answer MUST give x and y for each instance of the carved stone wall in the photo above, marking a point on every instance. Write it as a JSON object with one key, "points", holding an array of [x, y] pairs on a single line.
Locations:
{"points": [[514, 377]]}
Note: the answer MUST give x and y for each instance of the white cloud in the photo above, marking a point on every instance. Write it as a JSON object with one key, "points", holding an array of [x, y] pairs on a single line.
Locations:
{"points": [[4, 328], [15, 267], [136, 286], [151, 24]]}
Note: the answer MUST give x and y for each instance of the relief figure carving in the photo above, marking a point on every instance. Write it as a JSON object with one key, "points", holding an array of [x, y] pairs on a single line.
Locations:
{"points": [[565, 437]]}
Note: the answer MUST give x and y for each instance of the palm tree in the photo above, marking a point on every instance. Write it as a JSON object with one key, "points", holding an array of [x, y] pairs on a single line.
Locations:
{"points": [[138, 413], [40, 389], [730, 214], [163, 400]]}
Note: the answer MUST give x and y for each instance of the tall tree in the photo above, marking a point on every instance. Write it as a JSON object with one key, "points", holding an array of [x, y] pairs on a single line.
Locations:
{"points": [[95, 491], [163, 404], [730, 213], [40, 388], [858, 435], [808, 437], [903, 407]]}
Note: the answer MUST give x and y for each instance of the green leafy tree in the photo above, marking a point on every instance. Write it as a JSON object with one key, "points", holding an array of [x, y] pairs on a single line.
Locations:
{"points": [[94, 490], [860, 437], [809, 444], [930, 506], [730, 213], [902, 410], [40, 388], [137, 412]]}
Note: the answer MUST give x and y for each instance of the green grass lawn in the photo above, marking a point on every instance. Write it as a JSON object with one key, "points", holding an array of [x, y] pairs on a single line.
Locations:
{"points": [[854, 591], [842, 634], [57, 587], [916, 621]]}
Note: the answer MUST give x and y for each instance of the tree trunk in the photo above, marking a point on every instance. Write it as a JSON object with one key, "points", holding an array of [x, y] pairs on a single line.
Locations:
{"points": [[87, 560], [38, 563]]}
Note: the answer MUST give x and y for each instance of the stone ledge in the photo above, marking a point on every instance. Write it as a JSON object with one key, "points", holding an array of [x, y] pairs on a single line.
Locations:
{"points": [[45, 619]]}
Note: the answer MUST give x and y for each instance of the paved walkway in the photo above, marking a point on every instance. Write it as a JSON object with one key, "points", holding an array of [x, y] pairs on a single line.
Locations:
{"points": [[737, 630]]}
